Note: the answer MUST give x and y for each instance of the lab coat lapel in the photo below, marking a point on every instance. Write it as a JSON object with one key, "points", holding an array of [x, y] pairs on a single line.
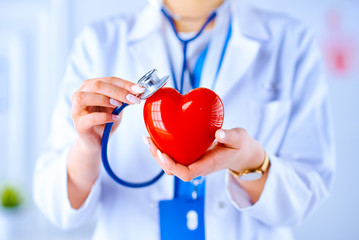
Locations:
{"points": [[239, 57], [248, 33]]}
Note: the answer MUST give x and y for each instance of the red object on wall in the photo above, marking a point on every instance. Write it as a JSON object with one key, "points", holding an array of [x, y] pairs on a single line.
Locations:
{"points": [[183, 126], [339, 46]]}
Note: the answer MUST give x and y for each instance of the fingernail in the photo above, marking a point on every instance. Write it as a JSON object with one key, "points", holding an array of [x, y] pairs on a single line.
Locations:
{"points": [[133, 99], [146, 142], [221, 134], [115, 102], [160, 156], [115, 117], [137, 89]]}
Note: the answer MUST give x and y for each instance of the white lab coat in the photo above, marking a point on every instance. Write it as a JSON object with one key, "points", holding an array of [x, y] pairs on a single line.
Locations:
{"points": [[271, 83]]}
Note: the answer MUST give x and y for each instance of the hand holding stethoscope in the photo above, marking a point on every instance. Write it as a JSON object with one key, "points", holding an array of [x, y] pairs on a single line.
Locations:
{"points": [[92, 107], [93, 104]]}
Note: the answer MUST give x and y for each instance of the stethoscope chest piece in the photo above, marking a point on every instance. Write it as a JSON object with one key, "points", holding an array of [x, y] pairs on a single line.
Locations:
{"points": [[151, 82]]}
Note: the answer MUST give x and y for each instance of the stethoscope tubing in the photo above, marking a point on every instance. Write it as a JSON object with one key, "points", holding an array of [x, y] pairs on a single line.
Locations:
{"points": [[106, 164]]}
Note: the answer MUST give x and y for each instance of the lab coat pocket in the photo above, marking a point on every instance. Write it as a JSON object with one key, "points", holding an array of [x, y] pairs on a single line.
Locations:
{"points": [[268, 122]]}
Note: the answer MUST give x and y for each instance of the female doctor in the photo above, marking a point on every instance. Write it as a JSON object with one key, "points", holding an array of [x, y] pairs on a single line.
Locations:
{"points": [[267, 70]]}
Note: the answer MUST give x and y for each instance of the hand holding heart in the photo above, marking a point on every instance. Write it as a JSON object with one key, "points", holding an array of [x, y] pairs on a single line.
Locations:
{"points": [[234, 149], [184, 127]]}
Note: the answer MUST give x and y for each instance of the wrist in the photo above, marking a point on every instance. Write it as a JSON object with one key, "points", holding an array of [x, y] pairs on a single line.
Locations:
{"points": [[252, 174], [83, 166], [87, 149]]}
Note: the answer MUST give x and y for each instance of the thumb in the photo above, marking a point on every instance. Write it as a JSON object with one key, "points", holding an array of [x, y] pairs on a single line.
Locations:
{"points": [[231, 138]]}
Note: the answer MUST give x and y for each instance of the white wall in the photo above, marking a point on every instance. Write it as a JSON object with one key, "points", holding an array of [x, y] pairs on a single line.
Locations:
{"points": [[34, 44]]}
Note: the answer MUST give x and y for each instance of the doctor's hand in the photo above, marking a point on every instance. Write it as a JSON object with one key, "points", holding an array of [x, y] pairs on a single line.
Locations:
{"points": [[234, 149], [92, 107]]}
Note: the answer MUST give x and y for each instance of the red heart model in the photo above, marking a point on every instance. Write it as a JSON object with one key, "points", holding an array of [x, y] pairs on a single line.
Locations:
{"points": [[183, 126]]}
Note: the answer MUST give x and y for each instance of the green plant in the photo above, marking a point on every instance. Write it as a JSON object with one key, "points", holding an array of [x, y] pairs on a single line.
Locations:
{"points": [[10, 197]]}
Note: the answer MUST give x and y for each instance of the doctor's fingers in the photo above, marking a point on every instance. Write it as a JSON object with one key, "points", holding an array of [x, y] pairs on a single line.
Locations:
{"points": [[169, 165], [112, 91], [82, 100], [88, 121], [232, 138], [153, 150], [119, 82]]}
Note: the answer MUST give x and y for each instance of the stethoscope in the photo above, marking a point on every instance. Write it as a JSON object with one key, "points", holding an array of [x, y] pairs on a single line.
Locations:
{"points": [[151, 83]]}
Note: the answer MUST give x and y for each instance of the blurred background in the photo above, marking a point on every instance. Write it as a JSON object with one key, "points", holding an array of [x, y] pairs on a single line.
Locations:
{"points": [[35, 39]]}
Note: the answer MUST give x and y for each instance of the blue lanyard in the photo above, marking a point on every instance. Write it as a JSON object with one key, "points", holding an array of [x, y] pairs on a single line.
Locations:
{"points": [[194, 189]]}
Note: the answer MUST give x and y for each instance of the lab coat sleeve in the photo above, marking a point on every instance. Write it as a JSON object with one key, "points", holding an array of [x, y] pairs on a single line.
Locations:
{"points": [[50, 177], [301, 171]]}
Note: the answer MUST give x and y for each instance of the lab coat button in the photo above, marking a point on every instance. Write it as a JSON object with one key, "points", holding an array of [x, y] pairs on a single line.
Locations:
{"points": [[221, 204], [272, 86]]}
